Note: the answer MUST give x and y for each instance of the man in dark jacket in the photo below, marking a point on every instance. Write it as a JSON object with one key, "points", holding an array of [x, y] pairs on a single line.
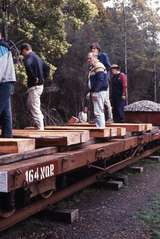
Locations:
{"points": [[7, 80], [104, 59], [36, 71], [98, 87], [119, 92]]}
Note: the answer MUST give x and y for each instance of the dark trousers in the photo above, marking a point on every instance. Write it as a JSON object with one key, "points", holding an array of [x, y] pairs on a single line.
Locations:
{"points": [[118, 110], [5, 109]]}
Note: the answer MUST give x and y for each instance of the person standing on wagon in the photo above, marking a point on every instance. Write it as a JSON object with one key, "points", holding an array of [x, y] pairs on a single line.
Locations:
{"points": [[119, 93], [37, 71], [104, 59]]}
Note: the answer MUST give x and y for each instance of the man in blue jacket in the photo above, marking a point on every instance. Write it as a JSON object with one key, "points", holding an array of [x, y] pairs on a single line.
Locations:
{"points": [[36, 71], [98, 87], [7, 80], [104, 59]]}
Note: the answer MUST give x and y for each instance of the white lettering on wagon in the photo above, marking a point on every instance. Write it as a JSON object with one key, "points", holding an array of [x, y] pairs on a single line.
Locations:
{"points": [[39, 173], [3, 182]]}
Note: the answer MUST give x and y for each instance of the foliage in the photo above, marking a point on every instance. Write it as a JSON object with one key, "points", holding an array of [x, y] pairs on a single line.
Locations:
{"points": [[45, 24]]}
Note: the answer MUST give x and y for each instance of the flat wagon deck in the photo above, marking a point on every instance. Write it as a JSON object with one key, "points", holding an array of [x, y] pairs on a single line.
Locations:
{"points": [[65, 160]]}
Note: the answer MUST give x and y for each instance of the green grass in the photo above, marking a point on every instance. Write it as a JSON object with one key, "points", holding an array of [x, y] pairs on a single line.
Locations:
{"points": [[151, 218]]}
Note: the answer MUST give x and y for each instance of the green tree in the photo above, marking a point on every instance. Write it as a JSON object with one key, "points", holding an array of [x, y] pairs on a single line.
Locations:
{"points": [[44, 24]]}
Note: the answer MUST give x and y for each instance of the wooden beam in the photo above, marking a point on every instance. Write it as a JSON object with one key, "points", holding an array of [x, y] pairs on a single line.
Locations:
{"points": [[129, 126], [64, 215], [10, 145], [94, 132], [100, 133], [29, 154], [53, 138], [83, 134], [148, 127], [121, 132]]}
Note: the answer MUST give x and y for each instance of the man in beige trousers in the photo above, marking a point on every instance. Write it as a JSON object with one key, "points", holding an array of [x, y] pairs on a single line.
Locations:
{"points": [[37, 70]]}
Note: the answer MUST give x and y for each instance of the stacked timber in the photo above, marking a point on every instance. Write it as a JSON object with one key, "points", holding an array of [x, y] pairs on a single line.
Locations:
{"points": [[10, 145], [54, 138], [107, 132], [28, 154], [65, 136], [130, 127]]}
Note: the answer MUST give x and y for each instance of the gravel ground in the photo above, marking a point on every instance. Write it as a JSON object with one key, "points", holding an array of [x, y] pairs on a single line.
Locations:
{"points": [[104, 214]]}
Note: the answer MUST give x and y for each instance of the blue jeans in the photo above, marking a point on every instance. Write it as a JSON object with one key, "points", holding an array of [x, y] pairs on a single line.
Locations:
{"points": [[118, 110], [5, 109], [98, 105]]}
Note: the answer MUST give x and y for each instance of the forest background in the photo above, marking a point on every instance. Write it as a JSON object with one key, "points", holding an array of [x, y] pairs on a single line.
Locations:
{"points": [[61, 31]]}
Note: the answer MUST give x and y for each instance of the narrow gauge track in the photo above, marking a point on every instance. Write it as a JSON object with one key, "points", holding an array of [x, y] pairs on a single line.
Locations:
{"points": [[73, 171]]}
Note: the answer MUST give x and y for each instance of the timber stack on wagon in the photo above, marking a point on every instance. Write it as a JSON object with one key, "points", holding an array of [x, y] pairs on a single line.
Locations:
{"points": [[37, 167]]}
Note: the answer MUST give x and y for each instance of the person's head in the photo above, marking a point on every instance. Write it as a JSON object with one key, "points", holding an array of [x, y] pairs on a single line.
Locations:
{"points": [[85, 109], [95, 48], [25, 49], [91, 58], [115, 69]]}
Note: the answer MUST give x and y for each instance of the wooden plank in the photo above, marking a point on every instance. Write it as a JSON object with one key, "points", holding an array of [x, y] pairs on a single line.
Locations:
{"points": [[53, 141], [148, 127], [11, 158], [52, 138], [100, 133], [64, 215], [121, 132], [10, 145], [94, 132], [82, 134], [113, 131], [129, 126]]}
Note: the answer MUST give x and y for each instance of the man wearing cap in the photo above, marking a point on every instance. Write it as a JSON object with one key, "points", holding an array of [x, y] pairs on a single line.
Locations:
{"points": [[98, 86], [37, 70], [104, 59], [119, 92], [7, 80]]}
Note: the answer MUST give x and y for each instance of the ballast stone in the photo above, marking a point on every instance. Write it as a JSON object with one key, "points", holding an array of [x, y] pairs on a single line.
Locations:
{"points": [[143, 105]]}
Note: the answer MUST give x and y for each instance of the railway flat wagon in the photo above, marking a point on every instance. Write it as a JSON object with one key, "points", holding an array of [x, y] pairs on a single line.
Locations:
{"points": [[40, 168]]}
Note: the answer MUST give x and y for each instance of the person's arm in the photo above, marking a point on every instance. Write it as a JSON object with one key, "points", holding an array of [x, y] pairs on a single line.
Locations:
{"points": [[123, 78], [28, 63], [104, 58]]}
